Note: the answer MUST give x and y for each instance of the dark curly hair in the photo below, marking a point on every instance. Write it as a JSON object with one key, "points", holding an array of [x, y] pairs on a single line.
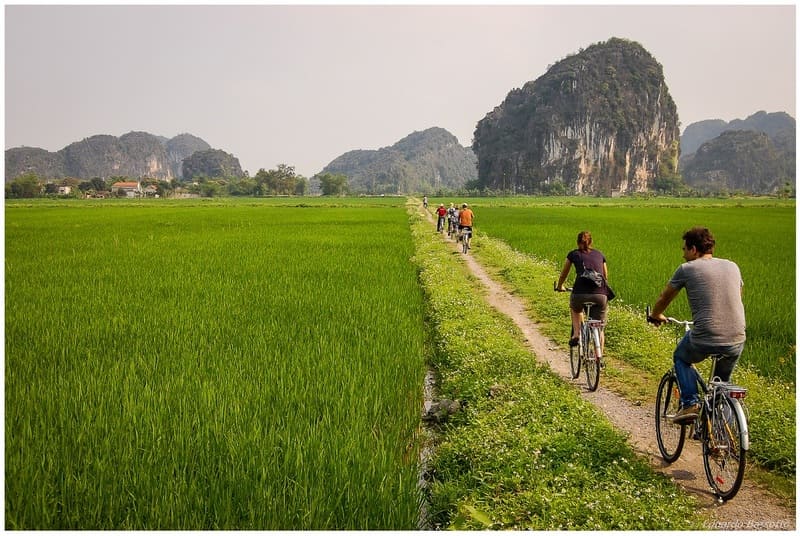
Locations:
{"points": [[701, 238]]}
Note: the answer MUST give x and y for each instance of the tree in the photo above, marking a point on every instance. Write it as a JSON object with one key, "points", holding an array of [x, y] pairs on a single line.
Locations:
{"points": [[281, 181], [332, 184], [210, 189], [26, 185]]}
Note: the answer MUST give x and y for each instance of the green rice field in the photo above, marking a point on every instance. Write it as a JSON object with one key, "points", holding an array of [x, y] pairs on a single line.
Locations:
{"points": [[211, 366], [642, 244], [259, 364]]}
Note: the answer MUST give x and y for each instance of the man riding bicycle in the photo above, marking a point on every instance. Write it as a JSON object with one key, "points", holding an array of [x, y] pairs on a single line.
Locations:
{"points": [[465, 217], [441, 212], [714, 290]]}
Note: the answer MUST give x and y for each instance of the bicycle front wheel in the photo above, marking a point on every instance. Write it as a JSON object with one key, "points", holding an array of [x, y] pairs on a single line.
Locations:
{"points": [[723, 448], [670, 436], [592, 365]]}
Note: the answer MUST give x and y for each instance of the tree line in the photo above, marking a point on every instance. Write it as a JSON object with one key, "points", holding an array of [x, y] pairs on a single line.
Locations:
{"points": [[282, 181]]}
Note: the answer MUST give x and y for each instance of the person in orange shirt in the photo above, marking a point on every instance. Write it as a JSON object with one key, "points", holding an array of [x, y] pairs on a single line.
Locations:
{"points": [[465, 216]]}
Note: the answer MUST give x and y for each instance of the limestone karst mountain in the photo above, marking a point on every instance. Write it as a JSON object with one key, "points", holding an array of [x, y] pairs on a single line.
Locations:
{"points": [[135, 154], [597, 122]]}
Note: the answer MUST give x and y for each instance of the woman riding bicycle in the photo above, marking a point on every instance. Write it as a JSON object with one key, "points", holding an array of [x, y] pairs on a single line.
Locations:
{"points": [[714, 290], [586, 259]]}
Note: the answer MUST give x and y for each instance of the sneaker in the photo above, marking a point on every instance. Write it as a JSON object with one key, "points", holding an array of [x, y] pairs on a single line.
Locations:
{"points": [[573, 341], [687, 413]]}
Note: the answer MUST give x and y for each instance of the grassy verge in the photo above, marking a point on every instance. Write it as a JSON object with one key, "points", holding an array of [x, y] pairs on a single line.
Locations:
{"points": [[639, 354], [526, 452]]}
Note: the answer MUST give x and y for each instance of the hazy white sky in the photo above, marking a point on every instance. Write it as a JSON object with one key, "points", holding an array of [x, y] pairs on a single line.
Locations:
{"points": [[302, 84]]}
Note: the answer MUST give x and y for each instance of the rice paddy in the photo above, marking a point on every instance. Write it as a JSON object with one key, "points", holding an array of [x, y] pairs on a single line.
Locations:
{"points": [[642, 244], [211, 367]]}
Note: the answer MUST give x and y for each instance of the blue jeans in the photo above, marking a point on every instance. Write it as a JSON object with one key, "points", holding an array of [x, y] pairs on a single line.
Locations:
{"points": [[687, 353]]}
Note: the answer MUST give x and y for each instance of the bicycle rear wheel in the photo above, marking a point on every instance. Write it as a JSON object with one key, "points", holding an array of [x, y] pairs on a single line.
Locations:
{"points": [[670, 436], [592, 365], [724, 455]]}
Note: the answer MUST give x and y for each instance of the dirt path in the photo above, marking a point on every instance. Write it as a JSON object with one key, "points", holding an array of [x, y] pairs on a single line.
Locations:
{"points": [[753, 508]]}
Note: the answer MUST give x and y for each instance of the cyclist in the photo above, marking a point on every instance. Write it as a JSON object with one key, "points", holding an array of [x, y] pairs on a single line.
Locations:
{"points": [[584, 258], [465, 217], [441, 212], [425, 202], [714, 290], [450, 218]]}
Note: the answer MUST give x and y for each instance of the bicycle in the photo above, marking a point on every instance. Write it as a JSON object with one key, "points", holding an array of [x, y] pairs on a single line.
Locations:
{"points": [[721, 425], [466, 237], [589, 350], [452, 229]]}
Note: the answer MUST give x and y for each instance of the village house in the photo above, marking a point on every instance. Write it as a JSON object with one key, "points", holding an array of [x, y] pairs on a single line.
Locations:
{"points": [[150, 191], [130, 188]]}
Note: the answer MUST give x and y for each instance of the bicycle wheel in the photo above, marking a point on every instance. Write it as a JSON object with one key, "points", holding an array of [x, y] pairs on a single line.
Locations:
{"points": [[574, 359], [724, 456], [592, 365], [465, 242], [670, 436]]}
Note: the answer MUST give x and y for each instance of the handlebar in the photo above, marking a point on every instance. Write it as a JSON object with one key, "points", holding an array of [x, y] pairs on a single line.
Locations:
{"points": [[670, 320], [566, 289]]}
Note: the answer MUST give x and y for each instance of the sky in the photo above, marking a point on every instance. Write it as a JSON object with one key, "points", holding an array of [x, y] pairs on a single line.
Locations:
{"points": [[302, 84]]}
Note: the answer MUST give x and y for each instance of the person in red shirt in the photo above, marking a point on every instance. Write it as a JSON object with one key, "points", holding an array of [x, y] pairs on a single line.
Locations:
{"points": [[441, 212]]}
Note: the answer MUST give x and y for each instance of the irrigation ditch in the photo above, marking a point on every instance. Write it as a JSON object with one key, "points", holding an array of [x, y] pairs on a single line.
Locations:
{"points": [[754, 507]]}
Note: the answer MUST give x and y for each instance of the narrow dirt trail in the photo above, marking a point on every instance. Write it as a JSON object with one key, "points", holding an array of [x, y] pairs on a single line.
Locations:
{"points": [[753, 508]]}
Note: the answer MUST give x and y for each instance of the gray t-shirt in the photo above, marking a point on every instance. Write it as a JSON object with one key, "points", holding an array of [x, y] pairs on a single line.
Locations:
{"points": [[714, 289]]}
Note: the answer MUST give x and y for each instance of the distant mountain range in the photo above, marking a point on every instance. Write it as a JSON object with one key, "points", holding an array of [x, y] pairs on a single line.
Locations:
{"points": [[135, 154], [534, 140], [774, 125], [754, 155], [421, 162]]}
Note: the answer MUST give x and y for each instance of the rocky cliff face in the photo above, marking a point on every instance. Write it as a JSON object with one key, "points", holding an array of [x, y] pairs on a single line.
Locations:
{"points": [[181, 147], [598, 122], [135, 155]]}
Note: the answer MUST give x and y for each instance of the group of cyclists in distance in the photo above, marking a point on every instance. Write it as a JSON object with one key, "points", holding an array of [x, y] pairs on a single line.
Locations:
{"points": [[456, 221], [713, 289]]}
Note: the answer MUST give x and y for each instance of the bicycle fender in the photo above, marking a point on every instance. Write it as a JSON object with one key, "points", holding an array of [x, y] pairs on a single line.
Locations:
{"points": [[743, 420]]}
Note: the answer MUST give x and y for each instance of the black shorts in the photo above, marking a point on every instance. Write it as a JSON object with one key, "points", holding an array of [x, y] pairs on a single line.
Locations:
{"points": [[598, 311]]}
